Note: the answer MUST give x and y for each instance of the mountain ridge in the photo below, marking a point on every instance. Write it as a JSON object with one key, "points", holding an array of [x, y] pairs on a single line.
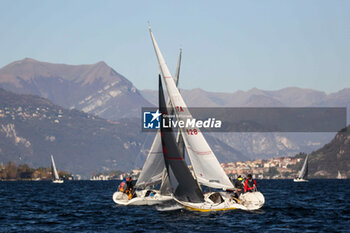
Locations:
{"points": [[89, 88], [32, 128], [95, 88], [332, 158], [285, 96]]}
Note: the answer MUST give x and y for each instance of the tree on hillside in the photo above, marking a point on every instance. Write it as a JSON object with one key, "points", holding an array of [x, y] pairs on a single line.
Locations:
{"points": [[24, 172], [10, 171]]}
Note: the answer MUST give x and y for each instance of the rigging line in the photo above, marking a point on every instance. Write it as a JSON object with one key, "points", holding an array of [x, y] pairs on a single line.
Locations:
{"points": [[142, 147]]}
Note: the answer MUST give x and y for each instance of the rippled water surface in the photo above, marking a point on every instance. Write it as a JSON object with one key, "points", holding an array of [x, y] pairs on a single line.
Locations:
{"points": [[317, 206]]}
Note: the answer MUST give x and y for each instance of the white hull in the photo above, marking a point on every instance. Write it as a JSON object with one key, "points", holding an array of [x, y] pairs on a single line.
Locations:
{"points": [[57, 181], [247, 201], [252, 200], [300, 180], [122, 199]]}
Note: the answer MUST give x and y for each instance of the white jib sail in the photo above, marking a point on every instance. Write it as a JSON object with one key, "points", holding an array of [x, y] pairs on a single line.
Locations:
{"points": [[54, 170], [206, 167], [152, 170], [154, 165]]}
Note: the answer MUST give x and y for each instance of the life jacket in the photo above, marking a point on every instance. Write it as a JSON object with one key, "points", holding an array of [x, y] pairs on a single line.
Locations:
{"points": [[121, 186], [250, 185]]}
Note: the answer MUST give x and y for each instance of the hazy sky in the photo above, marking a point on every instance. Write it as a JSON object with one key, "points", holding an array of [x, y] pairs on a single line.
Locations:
{"points": [[227, 45]]}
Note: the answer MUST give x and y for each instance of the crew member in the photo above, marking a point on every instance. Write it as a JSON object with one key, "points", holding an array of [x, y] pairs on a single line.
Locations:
{"points": [[239, 186], [130, 187], [122, 186], [250, 185]]}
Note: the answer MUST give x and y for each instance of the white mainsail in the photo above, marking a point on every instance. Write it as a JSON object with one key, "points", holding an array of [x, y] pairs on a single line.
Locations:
{"points": [[339, 176], [54, 170], [153, 171], [304, 170], [206, 167]]}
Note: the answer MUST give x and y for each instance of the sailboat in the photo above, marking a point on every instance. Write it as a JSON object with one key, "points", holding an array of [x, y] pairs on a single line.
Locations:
{"points": [[206, 167], [55, 177], [153, 171], [186, 189], [302, 177], [340, 176]]}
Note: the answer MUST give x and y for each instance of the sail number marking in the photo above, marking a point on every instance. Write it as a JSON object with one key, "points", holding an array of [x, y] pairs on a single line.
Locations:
{"points": [[191, 131], [179, 109]]}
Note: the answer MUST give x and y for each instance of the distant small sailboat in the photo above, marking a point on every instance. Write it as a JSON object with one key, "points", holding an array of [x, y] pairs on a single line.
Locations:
{"points": [[302, 177], [340, 176], [55, 177]]}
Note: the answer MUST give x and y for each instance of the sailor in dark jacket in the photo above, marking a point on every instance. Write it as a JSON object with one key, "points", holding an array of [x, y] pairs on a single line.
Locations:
{"points": [[239, 186], [130, 188], [129, 184]]}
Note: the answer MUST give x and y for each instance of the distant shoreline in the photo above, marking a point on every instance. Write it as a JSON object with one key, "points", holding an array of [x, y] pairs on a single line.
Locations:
{"points": [[14, 180]]}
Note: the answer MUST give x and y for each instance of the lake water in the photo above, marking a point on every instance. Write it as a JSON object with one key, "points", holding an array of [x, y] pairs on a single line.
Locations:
{"points": [[317, 206]]}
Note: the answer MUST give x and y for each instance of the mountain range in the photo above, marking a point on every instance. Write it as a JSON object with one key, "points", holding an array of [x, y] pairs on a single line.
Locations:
{"points": [[333, 157], [100, 90], [286, 97], [95, 89], [104, 95], [266, 145], [32, 128]]}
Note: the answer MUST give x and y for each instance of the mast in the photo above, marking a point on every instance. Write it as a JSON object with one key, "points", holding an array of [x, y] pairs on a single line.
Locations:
{"points": [[177, 73], [179, 140]]}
